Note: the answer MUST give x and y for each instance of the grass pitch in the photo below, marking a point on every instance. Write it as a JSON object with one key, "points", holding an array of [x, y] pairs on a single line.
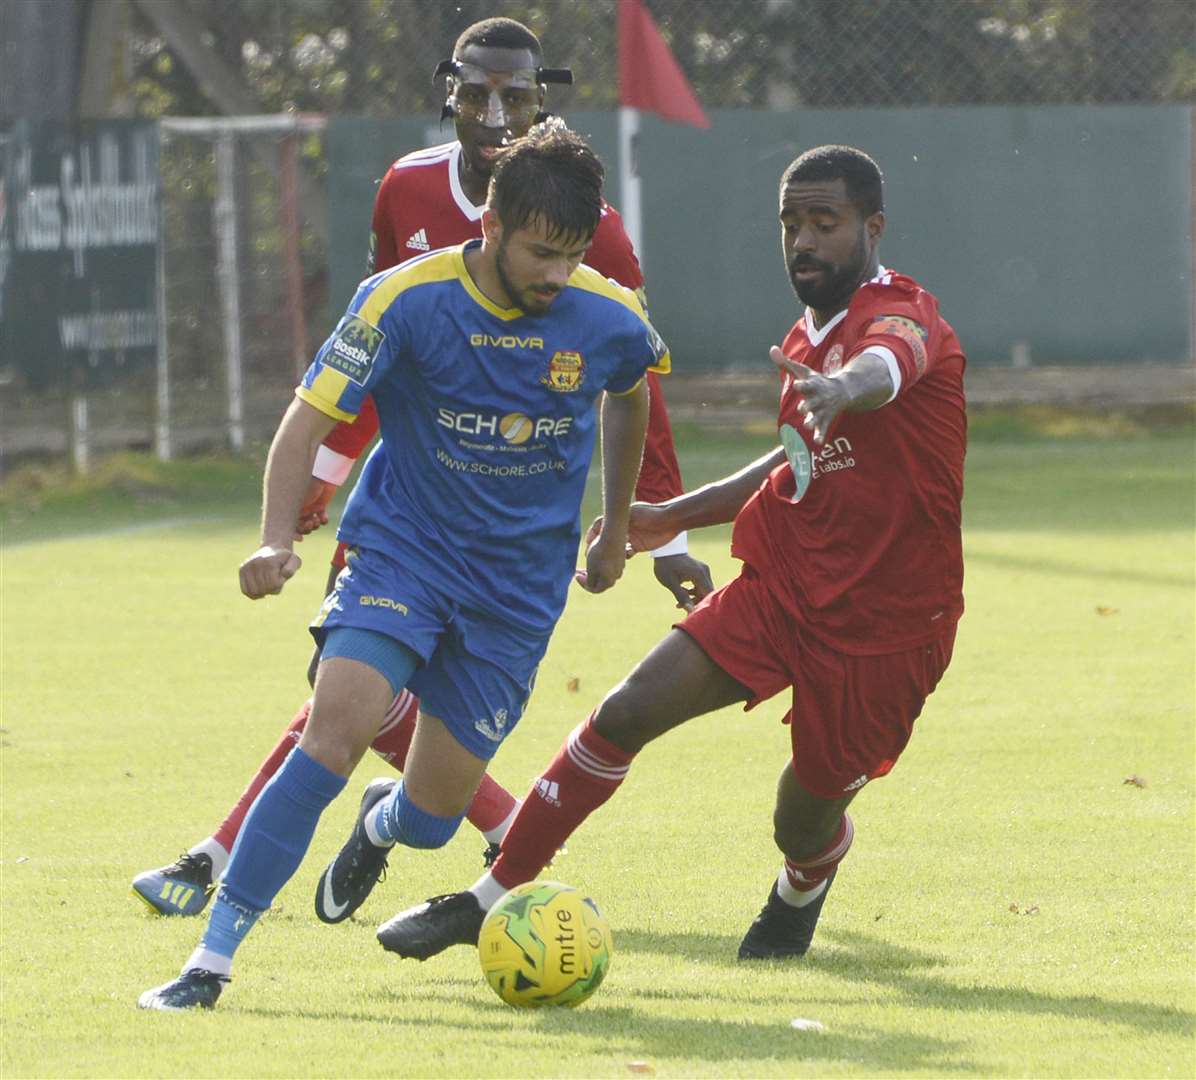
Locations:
{"points": [[1019, 900]]}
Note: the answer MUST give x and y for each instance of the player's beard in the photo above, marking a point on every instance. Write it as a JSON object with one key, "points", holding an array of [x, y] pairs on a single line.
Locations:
{"points": [[833, 289], [524, 297]]}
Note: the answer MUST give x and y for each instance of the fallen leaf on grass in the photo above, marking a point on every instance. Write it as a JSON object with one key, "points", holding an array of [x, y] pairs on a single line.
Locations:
{"points": [[1137, 781], [1018, 910], [1101, 610], [573, 685], [640, 1066]]}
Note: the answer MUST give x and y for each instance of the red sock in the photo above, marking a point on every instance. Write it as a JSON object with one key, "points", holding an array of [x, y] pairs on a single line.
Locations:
{"points": [[492, 803], [583, 775], [394, 737], [226, 835], [812, 872]]}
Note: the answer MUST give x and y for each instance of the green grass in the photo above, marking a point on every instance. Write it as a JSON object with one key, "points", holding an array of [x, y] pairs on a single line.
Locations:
{"points": [[1011, 907]]}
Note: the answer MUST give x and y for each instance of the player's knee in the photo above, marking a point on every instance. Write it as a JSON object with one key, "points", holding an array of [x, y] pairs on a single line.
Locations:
{"points": [[331, 746], [619, 718]]}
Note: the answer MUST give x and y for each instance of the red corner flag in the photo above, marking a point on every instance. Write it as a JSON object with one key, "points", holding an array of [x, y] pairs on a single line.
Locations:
{"points": [[649, 75]]}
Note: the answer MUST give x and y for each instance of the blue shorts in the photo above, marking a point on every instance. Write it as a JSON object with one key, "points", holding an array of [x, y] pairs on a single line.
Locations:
{"points": [[477, 672]]}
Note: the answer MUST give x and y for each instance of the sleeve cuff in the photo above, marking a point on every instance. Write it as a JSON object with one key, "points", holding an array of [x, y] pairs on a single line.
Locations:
{"points": [[629, 390], [331, 467], [679, 545], [886, 354]]}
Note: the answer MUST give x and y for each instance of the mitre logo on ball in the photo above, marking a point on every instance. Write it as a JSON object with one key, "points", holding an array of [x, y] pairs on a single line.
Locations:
{"points": [[544, 943]]}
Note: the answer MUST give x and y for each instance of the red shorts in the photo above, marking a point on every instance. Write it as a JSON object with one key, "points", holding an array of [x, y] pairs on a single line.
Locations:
{"points": [[851, 715]]}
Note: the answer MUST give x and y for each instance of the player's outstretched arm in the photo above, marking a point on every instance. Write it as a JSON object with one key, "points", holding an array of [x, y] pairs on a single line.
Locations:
{"points": [[624, 421], [863, 383], [288, 470], [716, 503]]}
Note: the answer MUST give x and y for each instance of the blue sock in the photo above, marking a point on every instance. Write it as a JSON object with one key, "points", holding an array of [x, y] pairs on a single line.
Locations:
{"points": [[270, 847], [399, 820]]}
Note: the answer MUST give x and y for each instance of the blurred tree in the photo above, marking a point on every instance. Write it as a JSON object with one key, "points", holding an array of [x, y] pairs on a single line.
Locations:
{"points": [[376, 56]]}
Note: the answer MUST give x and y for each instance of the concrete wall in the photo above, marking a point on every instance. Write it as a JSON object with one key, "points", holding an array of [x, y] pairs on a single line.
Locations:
{"points": [[1068, 229]]}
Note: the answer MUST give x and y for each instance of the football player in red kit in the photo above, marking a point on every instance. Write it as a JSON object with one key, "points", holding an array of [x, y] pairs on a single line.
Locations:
{"points": [[430, 199], [852, 577]]}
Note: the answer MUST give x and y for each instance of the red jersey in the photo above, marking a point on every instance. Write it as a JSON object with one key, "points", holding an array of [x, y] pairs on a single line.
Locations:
{"points": [[860, 538], [421, 206]]}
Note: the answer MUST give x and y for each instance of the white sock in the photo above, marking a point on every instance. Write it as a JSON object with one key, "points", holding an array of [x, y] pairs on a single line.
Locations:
{"points": [[209, 961], [794, 897], [488, 891], [495, 835], [214, 850], [371, 826]]}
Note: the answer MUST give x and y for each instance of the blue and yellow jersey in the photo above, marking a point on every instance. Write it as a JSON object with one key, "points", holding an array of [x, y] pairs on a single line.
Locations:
{"points": [[488, 424]]}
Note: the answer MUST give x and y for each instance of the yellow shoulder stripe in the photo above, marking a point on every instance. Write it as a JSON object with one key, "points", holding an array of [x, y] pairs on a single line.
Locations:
{"points": [[442, 266], [589, 280]]}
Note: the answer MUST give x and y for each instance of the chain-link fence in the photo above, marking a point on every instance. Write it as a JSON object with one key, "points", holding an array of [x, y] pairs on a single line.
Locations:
{"points": [[376, 56], [243, 269]]}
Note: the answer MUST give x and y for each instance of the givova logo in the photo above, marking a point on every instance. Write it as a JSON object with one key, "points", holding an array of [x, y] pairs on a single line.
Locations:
{"points": [[353, 348], [516, 428]]}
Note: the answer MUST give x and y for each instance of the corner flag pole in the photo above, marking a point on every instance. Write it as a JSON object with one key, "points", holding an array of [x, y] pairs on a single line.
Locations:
{"points": [[629, 178], [651, 79]]}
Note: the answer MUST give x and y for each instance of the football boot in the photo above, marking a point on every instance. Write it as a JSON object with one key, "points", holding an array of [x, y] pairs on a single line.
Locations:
{"points": [[358, 867], [431, 927], [782, 930], [182, 888], [196, 988]]}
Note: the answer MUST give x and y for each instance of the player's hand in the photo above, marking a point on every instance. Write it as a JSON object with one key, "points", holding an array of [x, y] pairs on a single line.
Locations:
{"points": [[267, 570], [648, 528], [605, 559], [314, 511], [823, 398], [685, 577]]}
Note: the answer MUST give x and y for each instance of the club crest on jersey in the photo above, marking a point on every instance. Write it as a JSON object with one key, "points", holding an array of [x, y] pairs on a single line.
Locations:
{"points": [[353, 348], [833, 361], [564, 373]]}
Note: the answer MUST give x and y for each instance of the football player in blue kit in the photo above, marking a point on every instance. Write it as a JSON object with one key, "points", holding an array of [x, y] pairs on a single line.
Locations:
{"points": [[486, 362]]}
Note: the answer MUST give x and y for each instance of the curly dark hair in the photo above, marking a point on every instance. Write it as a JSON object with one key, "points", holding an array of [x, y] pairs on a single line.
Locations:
{"points": [[551, 173], [499, 33], [860, 174]]}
